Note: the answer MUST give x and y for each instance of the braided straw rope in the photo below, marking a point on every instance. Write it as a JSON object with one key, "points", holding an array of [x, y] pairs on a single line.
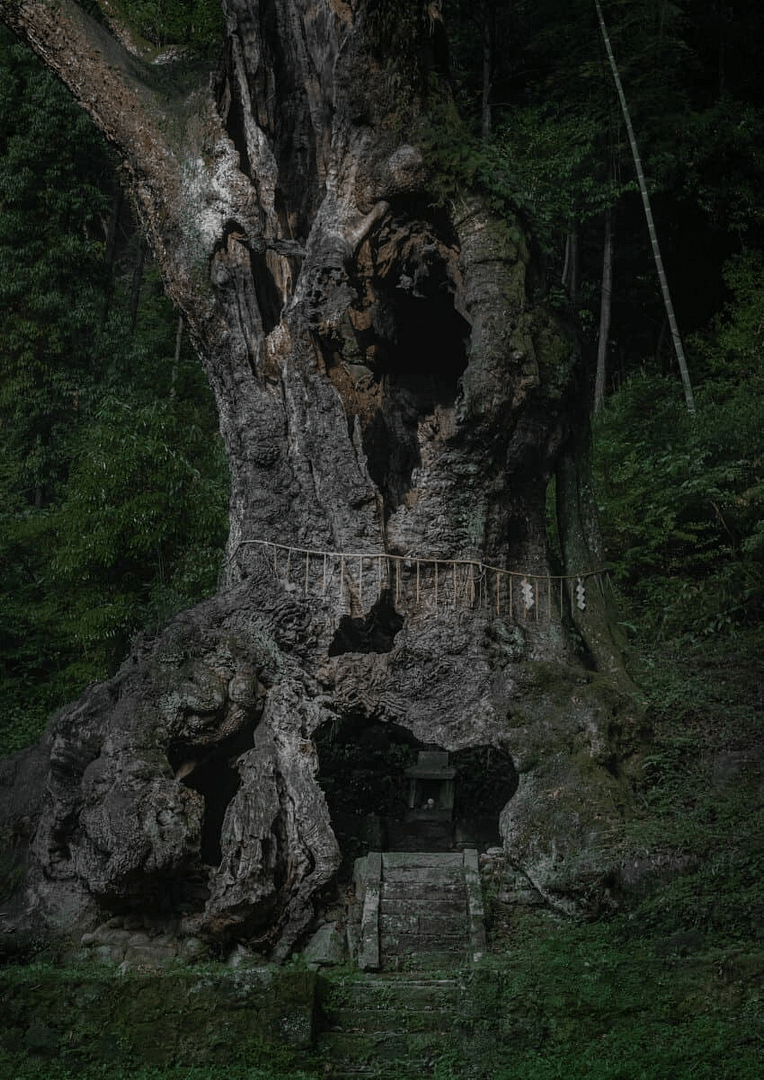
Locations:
{"points": [[435, 583]]}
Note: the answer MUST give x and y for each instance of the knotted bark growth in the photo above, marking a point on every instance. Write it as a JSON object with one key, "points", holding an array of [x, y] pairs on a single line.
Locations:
{"points": [[385, 385]]}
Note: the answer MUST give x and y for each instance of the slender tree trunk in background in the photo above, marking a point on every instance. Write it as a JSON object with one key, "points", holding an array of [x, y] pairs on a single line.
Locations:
{"points": [[110, 248], [570, 264], [135, 289], [606, 303], [393, 404], [487, 34], [678, 347], [176, 356]]}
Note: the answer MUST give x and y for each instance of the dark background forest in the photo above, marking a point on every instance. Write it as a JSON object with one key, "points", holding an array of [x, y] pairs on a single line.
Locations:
{"points": [[113, 482]]}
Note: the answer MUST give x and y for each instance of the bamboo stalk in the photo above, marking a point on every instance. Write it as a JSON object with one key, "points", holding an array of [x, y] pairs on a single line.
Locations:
{"points": [[678, 348]]}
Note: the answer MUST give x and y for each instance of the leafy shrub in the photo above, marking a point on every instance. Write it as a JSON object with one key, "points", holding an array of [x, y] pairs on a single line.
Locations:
{"points": [[682, 501]]}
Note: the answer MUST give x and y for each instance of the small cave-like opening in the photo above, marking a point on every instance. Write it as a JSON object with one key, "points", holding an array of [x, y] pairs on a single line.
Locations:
{"points": [[416, 284], [374, 633], [217, 782], [387, 791], [214, 775], [267, 292], [362, 772], [420, 373]]}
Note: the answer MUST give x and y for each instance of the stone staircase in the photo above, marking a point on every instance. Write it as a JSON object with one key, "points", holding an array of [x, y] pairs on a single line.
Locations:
{"points": [[421, 924], [387, 1025], [419, 910], [423, 911]]}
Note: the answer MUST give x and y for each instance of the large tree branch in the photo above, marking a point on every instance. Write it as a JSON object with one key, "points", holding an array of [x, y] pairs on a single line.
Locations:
{"points": [[182, 167]]}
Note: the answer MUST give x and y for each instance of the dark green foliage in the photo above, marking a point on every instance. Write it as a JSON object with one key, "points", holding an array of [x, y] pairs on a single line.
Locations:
{"points": [[23, 1068], [112, 479], [193, 24], [682, 499]]}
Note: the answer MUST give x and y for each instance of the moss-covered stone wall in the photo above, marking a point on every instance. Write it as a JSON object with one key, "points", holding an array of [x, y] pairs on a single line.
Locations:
{"points": [[263, 1015]]}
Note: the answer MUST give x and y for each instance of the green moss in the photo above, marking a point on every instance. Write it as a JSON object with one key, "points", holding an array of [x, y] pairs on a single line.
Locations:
{"points": [[556, 353], [85, 1019]]}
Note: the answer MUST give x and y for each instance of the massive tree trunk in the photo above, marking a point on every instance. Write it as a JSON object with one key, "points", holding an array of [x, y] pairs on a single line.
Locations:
{"points": [[394, 408]]}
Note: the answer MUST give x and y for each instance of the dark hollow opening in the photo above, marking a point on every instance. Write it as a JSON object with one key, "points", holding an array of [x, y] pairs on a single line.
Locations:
{"points": [[487, 780], [362, 767], [421, 367], [268, 295], [217, 780], [367, 772], [235, 128], [374, 633]]}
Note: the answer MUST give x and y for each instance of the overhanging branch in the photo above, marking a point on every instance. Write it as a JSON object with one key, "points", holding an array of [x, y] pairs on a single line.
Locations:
{"points": [[182, 168]]}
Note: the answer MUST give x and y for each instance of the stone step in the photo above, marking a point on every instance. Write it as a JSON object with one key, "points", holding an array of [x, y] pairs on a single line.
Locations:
{"points": [[435, 960], [375, 1048], [399, 943], [422, 924], [396, 1017], [392, 860], [386, 985], [405, 936], [418, 889], [413, 998], [413, 1069], [403, 1071], [439, 905], [446, 874], [453, 906]]}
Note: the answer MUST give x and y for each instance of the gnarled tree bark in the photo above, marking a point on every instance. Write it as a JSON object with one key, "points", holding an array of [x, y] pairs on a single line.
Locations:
{"points": [[386, 389]]}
